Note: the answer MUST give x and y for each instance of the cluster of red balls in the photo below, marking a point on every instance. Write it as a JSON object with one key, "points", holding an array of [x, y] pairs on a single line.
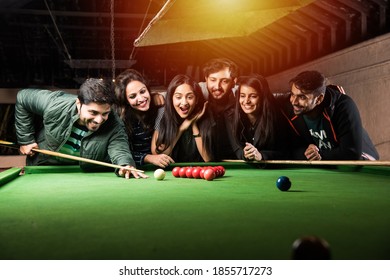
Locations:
{"points": [[198, 172]]}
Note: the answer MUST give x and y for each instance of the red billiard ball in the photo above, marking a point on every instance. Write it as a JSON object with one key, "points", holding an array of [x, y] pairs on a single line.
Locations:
{"points": [[222, 170], [209, 174], [216, 171], [201, 172], [283, 183], [175, 171], [189, 172], [182, 172], [196, 172]]}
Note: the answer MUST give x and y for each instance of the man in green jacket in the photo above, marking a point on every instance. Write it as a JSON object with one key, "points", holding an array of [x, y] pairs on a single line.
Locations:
{"points": [[81, 125]]}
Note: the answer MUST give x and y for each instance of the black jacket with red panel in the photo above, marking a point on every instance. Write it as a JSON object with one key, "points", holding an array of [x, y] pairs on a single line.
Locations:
{"points": [[342, 124]]}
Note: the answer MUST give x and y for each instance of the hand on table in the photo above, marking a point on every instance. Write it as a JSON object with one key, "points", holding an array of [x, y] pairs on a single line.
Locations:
{"points": [[161, 160], [251, 152], [126, 173], [313, 153]]}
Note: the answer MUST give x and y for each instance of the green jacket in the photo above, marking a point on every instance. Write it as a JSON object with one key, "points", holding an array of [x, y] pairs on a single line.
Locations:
{"points": [[57, 111]]}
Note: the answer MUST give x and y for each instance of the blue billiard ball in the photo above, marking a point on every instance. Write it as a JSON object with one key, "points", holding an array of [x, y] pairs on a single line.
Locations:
{"points": [[283, 183]]}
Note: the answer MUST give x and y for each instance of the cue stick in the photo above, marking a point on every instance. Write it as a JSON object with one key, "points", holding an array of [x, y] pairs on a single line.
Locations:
{"points": [[316, 162], [76, 158]]}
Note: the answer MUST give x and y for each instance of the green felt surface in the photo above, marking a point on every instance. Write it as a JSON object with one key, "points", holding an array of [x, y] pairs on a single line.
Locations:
{"points": [[62, 213]]}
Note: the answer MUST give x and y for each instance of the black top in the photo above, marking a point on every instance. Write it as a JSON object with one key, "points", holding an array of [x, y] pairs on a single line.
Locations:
{"points": [[140, 142], [185, 149], [221, 147], [270, 150]]}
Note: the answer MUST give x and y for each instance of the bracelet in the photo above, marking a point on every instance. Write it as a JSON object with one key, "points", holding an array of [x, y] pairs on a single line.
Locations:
{"points": [[196, 135]]}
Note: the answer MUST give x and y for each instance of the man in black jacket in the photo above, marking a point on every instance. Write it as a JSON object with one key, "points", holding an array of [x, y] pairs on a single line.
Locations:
{"points": [[325, 123], [220, 79]]}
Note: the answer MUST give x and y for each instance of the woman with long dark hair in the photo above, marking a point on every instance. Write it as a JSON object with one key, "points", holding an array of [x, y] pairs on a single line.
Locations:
{"points": [[138, 111], [184, 130], [256, 127]]}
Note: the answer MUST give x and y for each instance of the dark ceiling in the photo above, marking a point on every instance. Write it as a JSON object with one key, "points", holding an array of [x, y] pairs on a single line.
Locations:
{"points": [[60, 43]]}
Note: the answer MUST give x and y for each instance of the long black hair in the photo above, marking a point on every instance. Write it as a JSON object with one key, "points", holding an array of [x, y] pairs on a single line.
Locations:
{"points": [[128, 114], [171, 120], [266, 118]]}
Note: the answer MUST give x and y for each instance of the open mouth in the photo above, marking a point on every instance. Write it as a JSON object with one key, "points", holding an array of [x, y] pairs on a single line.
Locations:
{"points": [[142, 104], [297, 109], [93, 126], [248, 107], [184, 110]]}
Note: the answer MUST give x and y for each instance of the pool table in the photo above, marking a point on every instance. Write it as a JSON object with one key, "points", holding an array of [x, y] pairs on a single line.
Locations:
{"points": [[63, 213]]}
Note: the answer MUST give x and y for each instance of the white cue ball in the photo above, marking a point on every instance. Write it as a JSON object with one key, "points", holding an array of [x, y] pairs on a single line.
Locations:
{"points": [[159, 174]]}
